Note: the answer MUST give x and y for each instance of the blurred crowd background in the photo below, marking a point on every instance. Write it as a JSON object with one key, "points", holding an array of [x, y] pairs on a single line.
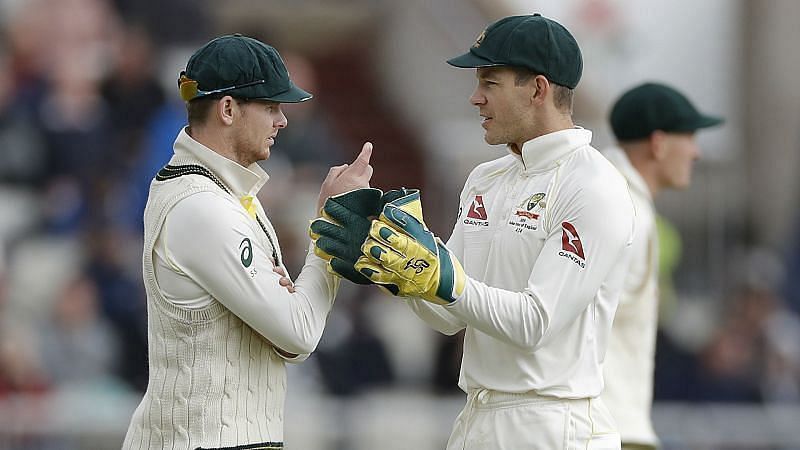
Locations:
{"points": [[89, 110]]}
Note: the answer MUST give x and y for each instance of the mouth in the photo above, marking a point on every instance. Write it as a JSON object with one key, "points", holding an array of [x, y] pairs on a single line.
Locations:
{"points": [[271, 139], [485, 120]]}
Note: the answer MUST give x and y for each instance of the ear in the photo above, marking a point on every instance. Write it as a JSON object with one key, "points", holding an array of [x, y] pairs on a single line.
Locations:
{"points": [[658, 147], [226, 109], [542, 85]]}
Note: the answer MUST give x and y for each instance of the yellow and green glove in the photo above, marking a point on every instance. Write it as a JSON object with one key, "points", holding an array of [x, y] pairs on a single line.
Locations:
{"points": [[402, 252]]}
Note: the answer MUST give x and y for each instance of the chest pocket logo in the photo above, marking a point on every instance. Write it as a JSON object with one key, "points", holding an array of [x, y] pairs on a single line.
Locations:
{"points": [[246, 248]]}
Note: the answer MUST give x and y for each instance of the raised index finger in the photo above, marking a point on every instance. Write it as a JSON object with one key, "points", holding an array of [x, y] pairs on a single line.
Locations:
{"points": [[362, 159]]}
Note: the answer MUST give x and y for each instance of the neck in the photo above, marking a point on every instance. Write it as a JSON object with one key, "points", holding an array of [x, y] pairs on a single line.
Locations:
{"points": [[557, 122], [640, 159], [217, 142]]}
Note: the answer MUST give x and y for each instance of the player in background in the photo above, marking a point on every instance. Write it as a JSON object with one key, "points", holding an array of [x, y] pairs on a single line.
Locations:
{"points": [[655, 128]]}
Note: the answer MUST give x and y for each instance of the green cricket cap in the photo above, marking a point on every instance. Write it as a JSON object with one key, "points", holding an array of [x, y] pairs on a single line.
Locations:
{"points": [[533, 42], [653, 106], [241, 67]]}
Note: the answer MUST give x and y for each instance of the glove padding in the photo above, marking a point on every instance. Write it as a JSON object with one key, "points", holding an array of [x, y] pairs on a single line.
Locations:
{"points": [[344, 226], [401, 251]]}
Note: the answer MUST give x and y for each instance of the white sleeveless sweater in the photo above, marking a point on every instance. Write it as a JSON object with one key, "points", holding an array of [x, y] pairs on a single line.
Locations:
{"points": [[214, 382]]}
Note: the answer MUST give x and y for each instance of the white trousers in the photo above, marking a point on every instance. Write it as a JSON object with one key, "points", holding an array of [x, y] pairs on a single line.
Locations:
{"points": [[494, 420]]}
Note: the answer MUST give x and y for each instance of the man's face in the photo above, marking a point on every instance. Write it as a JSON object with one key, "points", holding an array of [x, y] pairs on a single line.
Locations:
{"points": [[257, 129], [679, 153], [504, 107]]}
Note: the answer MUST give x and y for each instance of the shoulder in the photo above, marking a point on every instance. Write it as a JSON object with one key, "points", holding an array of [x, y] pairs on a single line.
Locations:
{"points": [[588, 171], [591, 184], [490, 169], [205, 211]]}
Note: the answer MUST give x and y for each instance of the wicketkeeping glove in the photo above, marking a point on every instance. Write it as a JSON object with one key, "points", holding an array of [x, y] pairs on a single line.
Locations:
{"points": [[402, 251], [341, 230], [344, 226]]}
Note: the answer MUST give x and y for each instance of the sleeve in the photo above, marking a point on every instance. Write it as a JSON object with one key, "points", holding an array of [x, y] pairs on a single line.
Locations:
{"points": [[586, 239], [291, 358], [234, 266], [436, 316], [643, 255]]}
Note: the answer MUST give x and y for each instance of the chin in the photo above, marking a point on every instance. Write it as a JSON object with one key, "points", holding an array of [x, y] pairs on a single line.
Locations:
{"points": [[492, 140], [681, 185]]}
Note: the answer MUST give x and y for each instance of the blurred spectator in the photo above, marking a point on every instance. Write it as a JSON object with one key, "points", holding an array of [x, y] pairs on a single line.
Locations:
{"points": [[447, 365], [21, 144], [310, 143], [122, 297], [351, 357], [780, 381], [173, 21], [78, 345], [131, 91], [72, 114], [752, 353], [157, 138], [20, 364], [728, 366]]}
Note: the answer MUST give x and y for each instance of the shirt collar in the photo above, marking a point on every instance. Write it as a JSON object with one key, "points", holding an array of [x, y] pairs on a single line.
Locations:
{"points": [[636, 183], [545, 151], [240, 180]]}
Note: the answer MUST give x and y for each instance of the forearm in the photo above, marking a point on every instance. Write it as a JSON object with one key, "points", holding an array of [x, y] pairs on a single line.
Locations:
{"points": [[315, 290], [516, 318], [436, 316]]}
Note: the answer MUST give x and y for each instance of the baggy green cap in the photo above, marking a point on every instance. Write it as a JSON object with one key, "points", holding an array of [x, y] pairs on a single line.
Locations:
{"points": [[241, 67], [533, 42], [654, 106]]}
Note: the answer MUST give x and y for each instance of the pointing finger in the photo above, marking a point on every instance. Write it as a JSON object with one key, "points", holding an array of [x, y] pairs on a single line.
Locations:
{"points": [[363, 158]]}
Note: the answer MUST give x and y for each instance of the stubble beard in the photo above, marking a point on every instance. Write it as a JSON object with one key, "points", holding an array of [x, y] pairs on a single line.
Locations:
{"points": [[247, 153]]}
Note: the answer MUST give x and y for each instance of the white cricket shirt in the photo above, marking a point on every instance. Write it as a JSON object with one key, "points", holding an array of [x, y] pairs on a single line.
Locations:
{"points": [[543, 238], [630, 359]]}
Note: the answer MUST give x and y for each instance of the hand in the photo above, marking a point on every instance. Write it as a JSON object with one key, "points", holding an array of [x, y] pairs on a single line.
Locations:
{"points": [[402, 252], [346, 177], [284, 280]]}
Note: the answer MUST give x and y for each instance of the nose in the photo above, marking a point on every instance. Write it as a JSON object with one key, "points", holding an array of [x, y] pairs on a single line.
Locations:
{"points": [[695, 150], [281, 121], [477, 98]]}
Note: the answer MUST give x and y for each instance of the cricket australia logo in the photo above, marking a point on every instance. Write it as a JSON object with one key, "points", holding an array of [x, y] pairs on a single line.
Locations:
{"points": [[533, 201], [419, 265], [246, 248], [479, 39], [524, 218]]}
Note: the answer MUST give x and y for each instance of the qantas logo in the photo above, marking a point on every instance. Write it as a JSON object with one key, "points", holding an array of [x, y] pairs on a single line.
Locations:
{"points": [[571, 244], [570, 241], [477, 210]]}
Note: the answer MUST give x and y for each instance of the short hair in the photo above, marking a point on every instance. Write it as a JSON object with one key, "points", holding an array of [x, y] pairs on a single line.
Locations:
{"points": [[562, 95], [197, 110]]}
